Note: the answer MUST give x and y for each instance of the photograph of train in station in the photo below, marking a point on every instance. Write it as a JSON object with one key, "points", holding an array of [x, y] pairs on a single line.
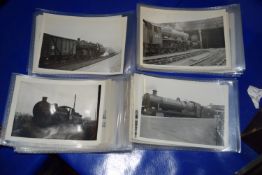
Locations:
{"points": [[196, 39], [56, 110], [70, 44], [177, 112]]}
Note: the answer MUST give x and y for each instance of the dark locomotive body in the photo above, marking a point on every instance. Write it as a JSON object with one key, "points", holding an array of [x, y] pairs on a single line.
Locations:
{"points": [[155, 105], [46, 114], [57, 50], [163, 40]]}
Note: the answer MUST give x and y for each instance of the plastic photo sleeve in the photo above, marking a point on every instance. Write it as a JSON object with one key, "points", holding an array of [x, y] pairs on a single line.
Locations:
{"points": [[59, 115], [64, 44], [184, 113], [190, 40]]}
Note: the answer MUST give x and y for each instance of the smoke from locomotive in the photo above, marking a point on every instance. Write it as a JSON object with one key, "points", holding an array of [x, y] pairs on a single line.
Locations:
{"points": [[155, 105]]}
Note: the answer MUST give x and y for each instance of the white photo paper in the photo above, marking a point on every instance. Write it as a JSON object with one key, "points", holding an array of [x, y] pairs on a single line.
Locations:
{"points": [[180, 112], [184, 40], [79, 45], [56, 112]]}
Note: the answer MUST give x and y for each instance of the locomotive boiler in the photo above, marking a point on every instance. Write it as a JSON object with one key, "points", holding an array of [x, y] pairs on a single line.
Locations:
{"points": [[159, 39], [155, 105], [46, 114]]}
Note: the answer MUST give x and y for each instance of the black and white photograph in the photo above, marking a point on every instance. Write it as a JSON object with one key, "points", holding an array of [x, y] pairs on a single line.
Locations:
{"points": [[184, 39], [177, 112], [51, 111], [79, 45]]}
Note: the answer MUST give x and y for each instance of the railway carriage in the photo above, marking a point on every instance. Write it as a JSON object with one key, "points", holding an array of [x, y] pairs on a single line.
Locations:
{"points": [[56, 49]]}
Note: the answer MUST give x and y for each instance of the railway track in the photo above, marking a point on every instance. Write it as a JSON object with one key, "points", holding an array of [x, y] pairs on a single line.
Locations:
{"points": [[216, 58], [173, 58], [75, 64]]}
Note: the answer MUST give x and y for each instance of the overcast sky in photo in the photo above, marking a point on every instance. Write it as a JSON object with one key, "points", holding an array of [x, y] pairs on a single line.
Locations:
{"points": [[107, 31], [200, 92]]}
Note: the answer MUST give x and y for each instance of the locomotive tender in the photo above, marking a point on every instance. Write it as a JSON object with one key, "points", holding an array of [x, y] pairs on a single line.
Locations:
{"points": [[155, 105], [159, 39], [56, 50]]}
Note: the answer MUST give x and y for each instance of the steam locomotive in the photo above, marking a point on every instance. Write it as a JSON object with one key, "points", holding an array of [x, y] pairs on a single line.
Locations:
{"points": [[46, 114], [162, 39], [57, 50], [154, 105]]}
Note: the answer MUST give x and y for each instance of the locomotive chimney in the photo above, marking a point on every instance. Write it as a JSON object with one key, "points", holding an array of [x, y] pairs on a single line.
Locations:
{"points": [[74, 102], [154, 92], [44, 99]]}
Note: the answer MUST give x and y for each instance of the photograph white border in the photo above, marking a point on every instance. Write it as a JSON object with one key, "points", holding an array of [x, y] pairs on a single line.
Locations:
{"points": [[52, 142], [139, 91], [161, 15], [38, 39]]}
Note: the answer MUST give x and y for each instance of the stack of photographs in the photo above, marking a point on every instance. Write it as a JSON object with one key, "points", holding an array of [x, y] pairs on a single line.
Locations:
{"points": [[78, 45], [46, 113], [185, 113], [67, 114], [58, 114], [183, 40]]}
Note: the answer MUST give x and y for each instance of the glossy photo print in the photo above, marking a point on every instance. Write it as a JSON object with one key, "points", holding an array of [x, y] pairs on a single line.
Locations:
{"points": [[79, 45], [184, 39], [55, 111], [178, 112]]}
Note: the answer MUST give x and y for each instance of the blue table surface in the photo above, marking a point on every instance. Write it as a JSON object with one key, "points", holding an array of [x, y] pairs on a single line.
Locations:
{"points": [[15, 34]]}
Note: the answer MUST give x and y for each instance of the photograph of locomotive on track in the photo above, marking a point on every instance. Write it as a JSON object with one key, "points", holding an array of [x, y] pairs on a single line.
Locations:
{"points": [[79, 45], [191, 43], [182, 113], [180, 116], [68, 54], [48, 110], [184, 39]]}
